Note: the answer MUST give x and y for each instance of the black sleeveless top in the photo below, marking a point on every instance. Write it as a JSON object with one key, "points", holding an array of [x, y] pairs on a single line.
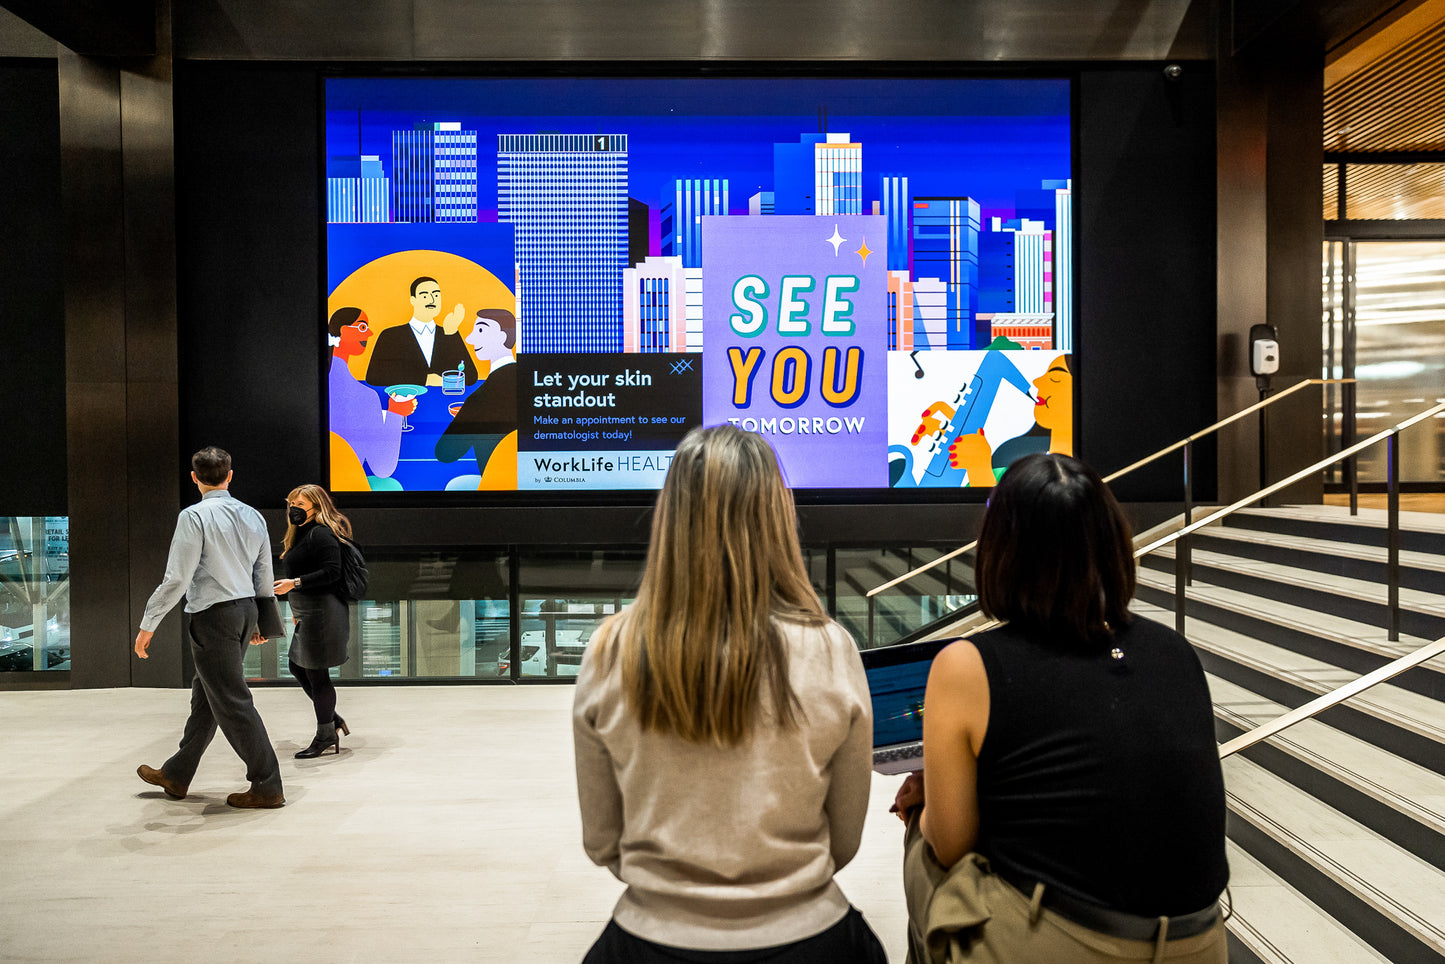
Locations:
{"points": [[1099, 776]]}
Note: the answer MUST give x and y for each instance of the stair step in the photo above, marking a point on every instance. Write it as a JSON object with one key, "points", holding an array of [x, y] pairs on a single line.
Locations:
{"points": [[1352, 645], [1365, 590], [1340, 630], [1404, 709], [1424, 531], [1371, 552], [1278, 925], [1423, 571], [1383, 893], [1398, 799]]}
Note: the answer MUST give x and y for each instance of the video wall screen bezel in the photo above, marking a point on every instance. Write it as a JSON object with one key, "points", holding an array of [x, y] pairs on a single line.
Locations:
{"points": [[655, 73]]}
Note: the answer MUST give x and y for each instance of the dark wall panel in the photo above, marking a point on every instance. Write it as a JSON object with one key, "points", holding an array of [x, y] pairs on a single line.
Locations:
{"points": [[32, 294], [1146, 282], [247, 223]]}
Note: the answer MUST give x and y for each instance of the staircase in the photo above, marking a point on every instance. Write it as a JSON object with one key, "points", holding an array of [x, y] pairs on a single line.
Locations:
{"points": [[1337, 825]]}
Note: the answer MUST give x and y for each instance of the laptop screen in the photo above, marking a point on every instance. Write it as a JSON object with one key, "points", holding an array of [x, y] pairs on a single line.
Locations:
{"points": [[897, 678]]}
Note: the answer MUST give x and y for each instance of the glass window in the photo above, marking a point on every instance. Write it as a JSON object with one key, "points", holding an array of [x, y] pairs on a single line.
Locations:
{"points": [[1398, 298], [564, 598], [432, 615], [908, 606], [34, 593]]}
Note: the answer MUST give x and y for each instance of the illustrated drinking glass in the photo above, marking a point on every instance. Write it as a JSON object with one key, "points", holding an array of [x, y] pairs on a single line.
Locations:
{"points": [[404, 393]]}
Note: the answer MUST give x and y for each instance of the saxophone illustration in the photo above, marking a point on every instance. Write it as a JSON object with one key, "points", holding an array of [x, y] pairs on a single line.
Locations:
{"points": [[971, 407]]}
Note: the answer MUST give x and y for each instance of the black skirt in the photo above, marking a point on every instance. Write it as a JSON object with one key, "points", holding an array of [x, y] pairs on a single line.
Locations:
{"points": [[323, 629]]}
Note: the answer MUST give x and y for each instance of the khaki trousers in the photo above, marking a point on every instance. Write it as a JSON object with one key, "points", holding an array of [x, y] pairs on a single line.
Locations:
{"points": [[969, 913]]}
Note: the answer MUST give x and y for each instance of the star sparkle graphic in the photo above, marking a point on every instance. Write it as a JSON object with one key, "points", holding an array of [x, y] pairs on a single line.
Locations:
{"points": [[835, 240], [863, 250]]}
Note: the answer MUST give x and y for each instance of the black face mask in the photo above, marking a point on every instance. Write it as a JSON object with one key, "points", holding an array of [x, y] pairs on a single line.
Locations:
{"points": [[296, 515]]}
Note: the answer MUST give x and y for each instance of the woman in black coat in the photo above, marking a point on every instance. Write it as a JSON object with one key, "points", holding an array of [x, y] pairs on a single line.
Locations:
{"points": [[311, 556]]}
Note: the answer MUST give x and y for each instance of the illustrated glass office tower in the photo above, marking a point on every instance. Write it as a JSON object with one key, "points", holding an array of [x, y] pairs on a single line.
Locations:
{"points": [[945, 246], [654, 307], [893, 204], [821, 174], [680, 220], [566, 196], [357, 191], [434, 173]]}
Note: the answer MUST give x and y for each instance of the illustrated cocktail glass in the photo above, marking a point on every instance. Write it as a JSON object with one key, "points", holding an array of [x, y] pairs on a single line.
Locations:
{"points": [[404, 393]]}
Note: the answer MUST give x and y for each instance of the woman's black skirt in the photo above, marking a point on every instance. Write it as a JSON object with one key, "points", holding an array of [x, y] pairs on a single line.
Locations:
{"points": [[323, 628]]}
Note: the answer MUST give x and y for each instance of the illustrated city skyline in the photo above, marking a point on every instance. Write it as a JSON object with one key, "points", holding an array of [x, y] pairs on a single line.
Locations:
{"points": [[976, 194]]}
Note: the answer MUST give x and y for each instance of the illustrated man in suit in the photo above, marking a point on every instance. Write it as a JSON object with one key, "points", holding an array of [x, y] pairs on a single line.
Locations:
{"points": [[418, 353], [490, 412]]}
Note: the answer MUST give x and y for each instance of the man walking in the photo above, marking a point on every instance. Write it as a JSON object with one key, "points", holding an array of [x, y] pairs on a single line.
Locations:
{"points": [[220, 560]]}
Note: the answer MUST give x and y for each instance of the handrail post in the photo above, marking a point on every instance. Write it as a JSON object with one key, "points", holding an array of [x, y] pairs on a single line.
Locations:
{"points": [[1347, 430], [1181, 551], [1184, 549], [870, 622], [1392, 528]]}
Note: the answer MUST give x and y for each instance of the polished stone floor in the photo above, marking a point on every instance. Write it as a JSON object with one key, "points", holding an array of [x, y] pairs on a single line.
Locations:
{"points": [[446, 830]]}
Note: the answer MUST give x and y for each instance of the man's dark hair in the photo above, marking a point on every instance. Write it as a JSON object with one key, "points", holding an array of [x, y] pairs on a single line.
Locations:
{"points": [[1055, 553], [423, 280], [211, 465], [505, 320], [340, 318]]}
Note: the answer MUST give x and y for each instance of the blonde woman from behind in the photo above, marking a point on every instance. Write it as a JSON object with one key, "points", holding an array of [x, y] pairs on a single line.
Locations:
{"points": [[723, 732]]}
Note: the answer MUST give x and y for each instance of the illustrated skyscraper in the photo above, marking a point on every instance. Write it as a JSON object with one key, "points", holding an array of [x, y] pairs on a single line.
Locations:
{"points": [[821, 174], [654, 306], [1017, 298], [566, 196], [894, 205], [945, 246], [357, 190], [680, 220], [434, 173]]}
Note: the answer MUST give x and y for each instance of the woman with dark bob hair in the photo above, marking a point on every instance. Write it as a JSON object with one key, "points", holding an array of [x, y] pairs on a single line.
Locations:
{"points": [[724, 733], [1075, 805]]}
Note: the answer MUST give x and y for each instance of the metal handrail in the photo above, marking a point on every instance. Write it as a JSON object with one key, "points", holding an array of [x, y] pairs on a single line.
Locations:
{"points": [[1290, 480], [1184, 443], [1392, 521], [1336, 696]]}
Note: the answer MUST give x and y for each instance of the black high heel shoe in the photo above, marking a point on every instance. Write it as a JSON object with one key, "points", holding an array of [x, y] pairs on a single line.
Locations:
{"points": [[321, 743], [341, 726]]}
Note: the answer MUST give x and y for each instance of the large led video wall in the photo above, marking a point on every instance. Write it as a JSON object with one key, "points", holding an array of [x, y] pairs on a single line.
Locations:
{"points": [[541, 284]]}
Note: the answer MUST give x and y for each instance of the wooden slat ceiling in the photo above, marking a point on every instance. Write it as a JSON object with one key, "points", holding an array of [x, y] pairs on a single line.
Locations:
{"points": [[1397, 103], [1386, 92]]}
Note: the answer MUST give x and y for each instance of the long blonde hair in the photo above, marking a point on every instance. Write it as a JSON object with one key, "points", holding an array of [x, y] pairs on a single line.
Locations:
{"points": [[723, 561], [326, 514]]}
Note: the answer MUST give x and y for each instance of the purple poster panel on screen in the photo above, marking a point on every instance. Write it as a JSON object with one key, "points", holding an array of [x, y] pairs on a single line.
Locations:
{"points": [[794, 339]]}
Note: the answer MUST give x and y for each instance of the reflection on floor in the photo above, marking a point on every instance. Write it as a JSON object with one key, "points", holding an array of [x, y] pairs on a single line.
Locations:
{"points": [[446, 830]]}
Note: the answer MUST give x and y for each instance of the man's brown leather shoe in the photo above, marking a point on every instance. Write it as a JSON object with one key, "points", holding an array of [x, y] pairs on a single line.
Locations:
{"points": [[174, 790], [251, 800]]}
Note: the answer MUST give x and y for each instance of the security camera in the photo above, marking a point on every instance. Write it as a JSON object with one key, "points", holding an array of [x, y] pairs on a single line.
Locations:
{"points": [[1173, 72]]}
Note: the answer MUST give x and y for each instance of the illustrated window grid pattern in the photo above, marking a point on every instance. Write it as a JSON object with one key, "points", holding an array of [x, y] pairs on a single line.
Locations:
{"points": [[894, 207], [655, 312], [945, 246], [411, 175], [351, 200], [692, 199], [1033, 263], [566, 195], [838, 178], [455, 166], [1063, 269]]}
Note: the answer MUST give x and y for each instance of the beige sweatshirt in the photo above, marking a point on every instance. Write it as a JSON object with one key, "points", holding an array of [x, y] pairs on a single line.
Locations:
{"points": [[728, 849]]}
